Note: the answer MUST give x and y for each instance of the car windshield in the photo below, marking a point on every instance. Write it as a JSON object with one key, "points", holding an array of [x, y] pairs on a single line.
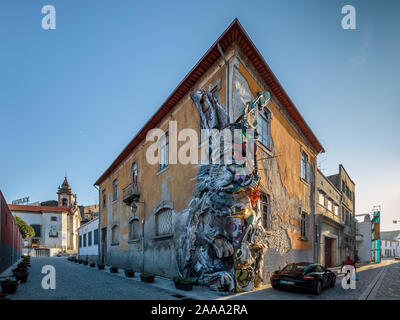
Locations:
{"points": [[295, 268]]}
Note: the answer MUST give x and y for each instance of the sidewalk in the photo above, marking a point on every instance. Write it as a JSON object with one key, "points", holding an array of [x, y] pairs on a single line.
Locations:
{"points": [[197, 293], [359, 265]]}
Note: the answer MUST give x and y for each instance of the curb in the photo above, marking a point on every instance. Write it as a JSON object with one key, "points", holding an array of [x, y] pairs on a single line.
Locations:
{"points": [[167, 284]]}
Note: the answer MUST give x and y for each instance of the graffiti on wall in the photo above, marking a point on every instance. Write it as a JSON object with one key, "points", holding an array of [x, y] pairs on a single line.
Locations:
{"points": [[224, 239]]}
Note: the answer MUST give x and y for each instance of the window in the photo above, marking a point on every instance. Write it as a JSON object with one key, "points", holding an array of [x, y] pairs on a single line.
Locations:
{"points": [[164, 222], [80, 241], [115, 189], [37, 228], [103, 197], [89, 238], [84, 240], [163, 152], [134, 173], [53, 219], [303, 225], [266, 210], [114, 235], [64, 202], [134, 229], [304, 166], [264, 129], [337, 210], [96, 236], [321, 199], [330, 205]]}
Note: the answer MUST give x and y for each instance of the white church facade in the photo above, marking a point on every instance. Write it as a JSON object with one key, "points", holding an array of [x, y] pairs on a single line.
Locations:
{"points": [[55, 223]]}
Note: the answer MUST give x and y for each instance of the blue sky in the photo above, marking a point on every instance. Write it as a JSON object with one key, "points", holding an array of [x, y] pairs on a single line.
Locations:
{"points": [[72, 98]]}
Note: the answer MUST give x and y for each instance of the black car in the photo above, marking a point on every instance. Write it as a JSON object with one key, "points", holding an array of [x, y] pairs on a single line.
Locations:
{"points": [[304, 276]]}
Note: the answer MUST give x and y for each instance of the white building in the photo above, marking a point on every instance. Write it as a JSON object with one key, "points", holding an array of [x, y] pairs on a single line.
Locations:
{"points": [[390, 244], [88, 240], [364, 238], [55, 226]]}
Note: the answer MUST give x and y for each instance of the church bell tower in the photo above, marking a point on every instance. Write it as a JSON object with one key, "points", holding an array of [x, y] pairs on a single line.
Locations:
{"points": [[65, 196]]}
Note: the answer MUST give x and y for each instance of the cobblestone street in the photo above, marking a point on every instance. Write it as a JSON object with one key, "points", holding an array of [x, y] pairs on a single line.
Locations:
{"points": [[380, 281], [80, 282]]}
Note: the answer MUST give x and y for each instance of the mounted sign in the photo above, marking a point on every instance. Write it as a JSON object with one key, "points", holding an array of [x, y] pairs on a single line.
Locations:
{"points": [[21, 201]]}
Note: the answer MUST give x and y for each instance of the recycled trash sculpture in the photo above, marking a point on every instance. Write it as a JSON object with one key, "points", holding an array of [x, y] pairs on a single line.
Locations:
{"points": [[223, 242]]}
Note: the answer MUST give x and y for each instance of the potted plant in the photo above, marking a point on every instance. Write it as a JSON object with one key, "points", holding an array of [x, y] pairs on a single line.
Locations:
{"points": [[183, 283], [9, 286], [3, 296], [114, 269], [92, 264], [18, 270], [21, 276], [85, 262], [100, 266], [129, 273], [23, 265], [147, 277]]}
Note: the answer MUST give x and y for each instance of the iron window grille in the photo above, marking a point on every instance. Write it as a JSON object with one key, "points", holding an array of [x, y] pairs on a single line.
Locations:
{"points": [[164, 222]]}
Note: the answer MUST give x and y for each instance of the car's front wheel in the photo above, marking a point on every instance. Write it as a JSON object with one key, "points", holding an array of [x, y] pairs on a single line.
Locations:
{"points": [[318, 287]]}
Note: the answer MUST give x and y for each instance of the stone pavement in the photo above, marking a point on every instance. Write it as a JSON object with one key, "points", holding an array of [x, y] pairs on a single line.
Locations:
{"points": [[79, 282], [377, 281]]}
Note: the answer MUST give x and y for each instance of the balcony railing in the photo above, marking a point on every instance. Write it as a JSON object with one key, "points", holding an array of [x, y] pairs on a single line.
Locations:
{"points": [[130, 194]]}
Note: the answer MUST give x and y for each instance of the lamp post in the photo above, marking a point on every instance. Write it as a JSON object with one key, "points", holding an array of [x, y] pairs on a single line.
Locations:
{"points": [[134, 209]]}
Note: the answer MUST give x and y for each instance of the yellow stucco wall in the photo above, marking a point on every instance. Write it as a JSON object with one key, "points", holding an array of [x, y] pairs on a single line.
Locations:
{"points": [[288, 145], [176, 184]]}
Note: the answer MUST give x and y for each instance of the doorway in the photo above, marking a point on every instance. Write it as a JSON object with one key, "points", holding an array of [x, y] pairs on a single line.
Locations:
{"points": [[328, 252], [103, 244]]}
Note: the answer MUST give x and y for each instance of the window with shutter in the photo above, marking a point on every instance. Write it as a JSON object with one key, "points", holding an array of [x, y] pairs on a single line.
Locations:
{"points": [[304, 166], [304, 217], [96, 236], [265, 200]]}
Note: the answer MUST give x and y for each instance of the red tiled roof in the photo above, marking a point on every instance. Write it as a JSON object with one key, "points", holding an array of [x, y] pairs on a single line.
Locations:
{"points": [[234, 33], [27, 208]]}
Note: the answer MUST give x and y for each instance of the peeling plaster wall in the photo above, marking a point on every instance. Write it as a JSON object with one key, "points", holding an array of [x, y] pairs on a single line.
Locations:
{"points": [[280, 178]]}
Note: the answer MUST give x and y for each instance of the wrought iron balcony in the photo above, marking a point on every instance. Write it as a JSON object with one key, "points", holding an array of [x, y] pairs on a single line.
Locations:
{"points": [[130, 194]]}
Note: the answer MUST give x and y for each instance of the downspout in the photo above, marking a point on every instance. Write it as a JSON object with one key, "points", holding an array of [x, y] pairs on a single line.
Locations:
{"points": [[227, 82]]}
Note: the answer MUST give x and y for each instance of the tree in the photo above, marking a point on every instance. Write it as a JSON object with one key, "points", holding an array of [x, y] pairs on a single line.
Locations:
{"points": [[25, 229]]}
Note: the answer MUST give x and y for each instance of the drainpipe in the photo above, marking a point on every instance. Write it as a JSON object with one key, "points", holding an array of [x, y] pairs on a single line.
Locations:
{"points": [[227, 82]]}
